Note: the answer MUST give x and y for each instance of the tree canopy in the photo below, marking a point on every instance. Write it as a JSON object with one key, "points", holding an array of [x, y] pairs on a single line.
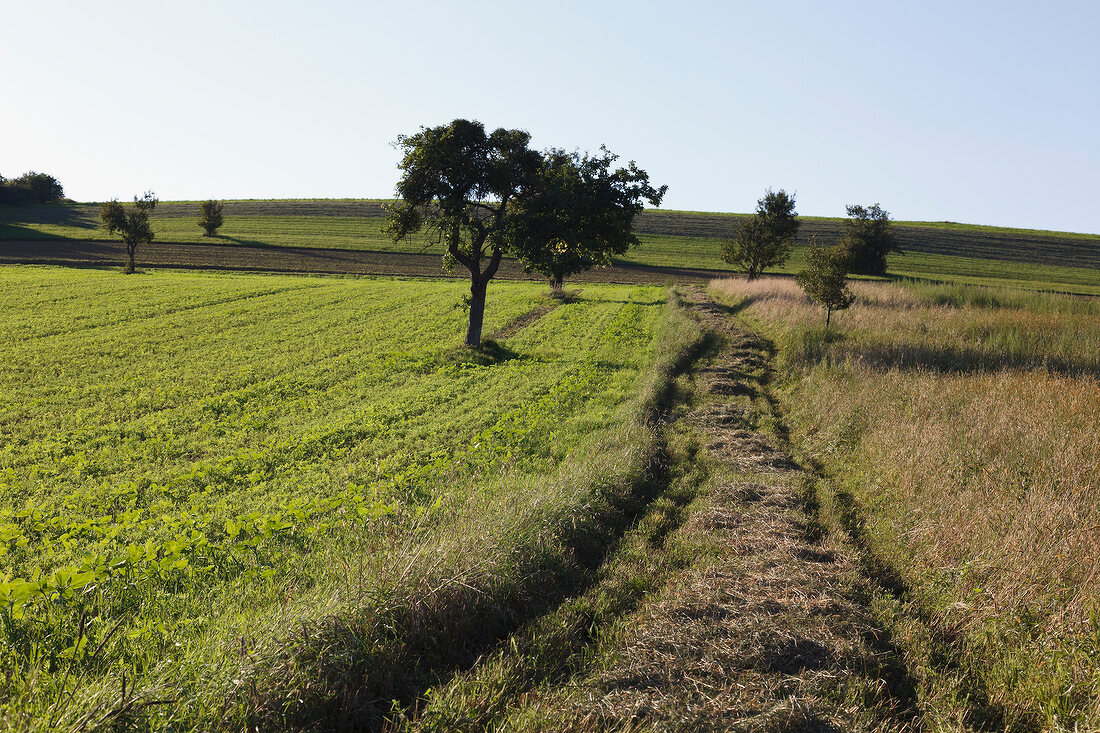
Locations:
{"points": [[31, 188], [459, 184], [578, 213], [868, 238], [825, 279], [132, 225], [766, 238], [210, 217]]}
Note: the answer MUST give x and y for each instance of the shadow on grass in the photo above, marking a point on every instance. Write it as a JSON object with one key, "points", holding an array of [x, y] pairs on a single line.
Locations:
{"points": [[52, 214], [490, 352], [362, 666], [956, 360], [947, 648]]}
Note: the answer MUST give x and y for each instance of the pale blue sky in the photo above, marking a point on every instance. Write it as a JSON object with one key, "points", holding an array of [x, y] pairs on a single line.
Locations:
{"points": [[980, 112]]}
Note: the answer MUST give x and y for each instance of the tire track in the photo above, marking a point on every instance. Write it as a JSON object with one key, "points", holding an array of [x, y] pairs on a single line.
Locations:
{"points": [[773, 632]]}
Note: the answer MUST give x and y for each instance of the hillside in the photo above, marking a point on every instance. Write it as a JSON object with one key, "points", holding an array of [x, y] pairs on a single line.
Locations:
{"points": [[939, 250]]}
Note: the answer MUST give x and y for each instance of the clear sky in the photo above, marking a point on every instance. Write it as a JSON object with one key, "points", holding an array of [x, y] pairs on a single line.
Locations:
{"points": [[979, 112]]}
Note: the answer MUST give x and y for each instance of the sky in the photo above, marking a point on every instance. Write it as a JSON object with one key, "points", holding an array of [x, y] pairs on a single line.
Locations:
{"points": [[976, 112]]}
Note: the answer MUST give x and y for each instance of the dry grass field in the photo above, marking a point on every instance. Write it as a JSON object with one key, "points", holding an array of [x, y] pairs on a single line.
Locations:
{"points": [[960, 429]]}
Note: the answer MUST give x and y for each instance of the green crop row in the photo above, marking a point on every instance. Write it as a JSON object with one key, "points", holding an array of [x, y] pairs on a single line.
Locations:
{"points": [[181, 449]]}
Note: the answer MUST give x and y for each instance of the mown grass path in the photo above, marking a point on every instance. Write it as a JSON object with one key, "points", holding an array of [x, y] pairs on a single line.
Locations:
{"points": [[728, 608], [773, 633]]}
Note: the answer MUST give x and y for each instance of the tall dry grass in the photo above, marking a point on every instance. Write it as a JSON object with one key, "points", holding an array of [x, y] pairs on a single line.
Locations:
{"points": [[966, 427]]}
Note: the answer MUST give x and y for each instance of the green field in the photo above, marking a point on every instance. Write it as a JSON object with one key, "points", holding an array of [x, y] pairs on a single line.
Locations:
{"points": [[937, 250], [196, 466]]}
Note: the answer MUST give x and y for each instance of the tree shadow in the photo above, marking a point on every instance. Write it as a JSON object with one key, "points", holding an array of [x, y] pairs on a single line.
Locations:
{"points": [[221, 239], [735, 309], [78, 217], [985, 712], [488, 353], [961, 360]]}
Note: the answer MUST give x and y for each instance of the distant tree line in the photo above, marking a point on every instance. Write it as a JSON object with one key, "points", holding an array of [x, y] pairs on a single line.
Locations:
{"points": [[766, 239], [30, 188]]}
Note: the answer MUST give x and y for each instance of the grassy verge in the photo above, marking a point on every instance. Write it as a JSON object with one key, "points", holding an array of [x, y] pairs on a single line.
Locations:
{"points": [[555, 647], [958, 427]]}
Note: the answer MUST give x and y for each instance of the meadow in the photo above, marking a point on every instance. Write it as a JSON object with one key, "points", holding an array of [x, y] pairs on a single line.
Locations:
{"points": [[209, 478], [958, 427], [947, 251]]}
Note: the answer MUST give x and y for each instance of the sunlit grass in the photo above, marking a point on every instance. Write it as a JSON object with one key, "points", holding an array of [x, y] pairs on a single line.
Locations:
{"points": [[193, 460], [963, 424]]}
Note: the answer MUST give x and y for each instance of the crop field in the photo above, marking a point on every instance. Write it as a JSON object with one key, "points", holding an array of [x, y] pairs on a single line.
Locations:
{"points": [[196, 470], [959, 428], [675, 239]]}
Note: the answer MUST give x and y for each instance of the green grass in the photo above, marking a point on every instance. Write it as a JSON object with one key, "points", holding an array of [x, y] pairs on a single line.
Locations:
{"points": [[945, 251], [670, 251], [195, 464]]}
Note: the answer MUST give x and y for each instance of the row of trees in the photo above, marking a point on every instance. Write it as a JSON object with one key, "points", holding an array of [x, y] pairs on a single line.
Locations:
{"points": [[482, 195], [767, 239], [133, 224], [30, 188]]}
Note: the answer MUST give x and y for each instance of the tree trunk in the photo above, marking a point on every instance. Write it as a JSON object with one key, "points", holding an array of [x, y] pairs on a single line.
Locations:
{"points": [[130, 253], [479, 282], [556, 284], [828, 316], [478, 285]]}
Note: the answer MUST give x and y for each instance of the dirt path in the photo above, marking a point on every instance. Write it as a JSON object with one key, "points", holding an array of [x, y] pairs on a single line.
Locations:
{"points": [[244, 258], [769, 629]]}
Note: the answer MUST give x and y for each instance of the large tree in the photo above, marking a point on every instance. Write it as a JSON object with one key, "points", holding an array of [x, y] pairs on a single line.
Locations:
{"points": [[578, 214], [132, 226], [460, 184], [765, 239], [825, 279], [868, 238]]}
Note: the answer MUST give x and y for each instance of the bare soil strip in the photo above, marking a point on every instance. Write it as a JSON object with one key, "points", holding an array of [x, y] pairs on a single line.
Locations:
{"points": [[521, 322], [306, 260], [772, 630]]}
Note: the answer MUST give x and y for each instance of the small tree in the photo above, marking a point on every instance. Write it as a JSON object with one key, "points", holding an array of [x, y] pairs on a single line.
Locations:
{"points": [[578, 213], [210, 217], [868, 238], [825, 279], [132, 225], [460, 184], [765, 239]]}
